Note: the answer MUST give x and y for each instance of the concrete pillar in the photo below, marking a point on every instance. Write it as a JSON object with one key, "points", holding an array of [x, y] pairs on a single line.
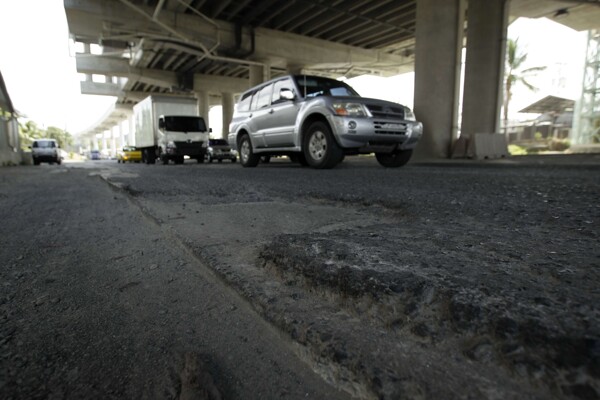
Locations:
{"points": [[122, 141], [104, 140], [228, 104], [113, 141], [256, 75], [484, 68], [87, 50], [439, 35], [203, 105], [294, 69]]}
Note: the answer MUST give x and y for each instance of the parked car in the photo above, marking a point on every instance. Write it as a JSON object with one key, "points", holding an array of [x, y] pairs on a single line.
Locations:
{"points": [[219, 149], [317, 121], [129, 153], [45, 150]]}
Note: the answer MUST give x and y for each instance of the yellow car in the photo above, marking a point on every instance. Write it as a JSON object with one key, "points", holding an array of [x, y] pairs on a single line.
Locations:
{"points": [[129, 153]]}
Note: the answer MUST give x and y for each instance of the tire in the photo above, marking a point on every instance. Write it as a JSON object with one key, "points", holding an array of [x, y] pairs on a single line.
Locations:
{"points": [[162, 157], [299, 159], [320, 149], [148, 156], [247, 157], [394, 160], [36, 162]]}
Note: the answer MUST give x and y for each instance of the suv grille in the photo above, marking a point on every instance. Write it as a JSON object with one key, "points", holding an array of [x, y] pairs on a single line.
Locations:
{"points": [[386, 111]]}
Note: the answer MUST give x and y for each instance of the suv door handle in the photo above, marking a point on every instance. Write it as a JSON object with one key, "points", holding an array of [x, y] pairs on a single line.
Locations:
{"points": [[271, 111], [250, 116]]}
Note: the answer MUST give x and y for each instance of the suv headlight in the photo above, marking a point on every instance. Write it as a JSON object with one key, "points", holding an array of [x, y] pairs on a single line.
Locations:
{"points": [[409, 115], [350, 109]]}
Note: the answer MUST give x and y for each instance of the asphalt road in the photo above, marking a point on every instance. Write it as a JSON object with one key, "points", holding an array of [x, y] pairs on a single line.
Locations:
{"points": [[445, 280]]}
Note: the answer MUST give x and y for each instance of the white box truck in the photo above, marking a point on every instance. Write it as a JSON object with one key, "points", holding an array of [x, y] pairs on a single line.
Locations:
{"points": [[169, 128]]}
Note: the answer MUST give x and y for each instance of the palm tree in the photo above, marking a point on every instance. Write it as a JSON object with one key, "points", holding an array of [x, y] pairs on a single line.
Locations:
{"points": [[515, 58]]}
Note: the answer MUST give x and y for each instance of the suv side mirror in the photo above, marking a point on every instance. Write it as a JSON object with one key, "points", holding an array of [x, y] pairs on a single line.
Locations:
{"points": [[286, 94]]}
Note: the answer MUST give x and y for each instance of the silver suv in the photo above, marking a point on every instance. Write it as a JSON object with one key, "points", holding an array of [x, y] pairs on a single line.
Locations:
{"points": [[316, 121]]}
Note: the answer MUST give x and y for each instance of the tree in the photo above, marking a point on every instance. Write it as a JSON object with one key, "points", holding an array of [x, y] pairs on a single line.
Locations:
{"points": [[29, 131], [515, 58], [63, 137]]}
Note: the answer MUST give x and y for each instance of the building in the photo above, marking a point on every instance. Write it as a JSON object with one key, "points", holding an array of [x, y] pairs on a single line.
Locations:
{"points": [[10, 147]]}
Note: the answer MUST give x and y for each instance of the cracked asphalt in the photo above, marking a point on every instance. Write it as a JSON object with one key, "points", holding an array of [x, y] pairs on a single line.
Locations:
{"points": [[454, 279]]}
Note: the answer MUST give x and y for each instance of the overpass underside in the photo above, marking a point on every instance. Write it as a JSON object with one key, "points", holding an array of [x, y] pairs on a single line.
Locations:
{"points": [[214, 49]]}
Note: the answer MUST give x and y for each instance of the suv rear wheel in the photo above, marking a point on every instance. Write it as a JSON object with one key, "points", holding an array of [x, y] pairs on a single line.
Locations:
{"points": [[394, 160], [247, 157], [320, 148]]}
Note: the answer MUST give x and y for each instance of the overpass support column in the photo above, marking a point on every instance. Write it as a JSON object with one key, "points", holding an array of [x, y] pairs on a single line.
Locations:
{"points": [[484, 68], [439, 36], [203, 105], [259, 74], [228, 104]]}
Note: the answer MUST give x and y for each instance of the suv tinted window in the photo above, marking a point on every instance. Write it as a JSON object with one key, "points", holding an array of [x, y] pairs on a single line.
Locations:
{"points": [[244, 103], [264, 96]]}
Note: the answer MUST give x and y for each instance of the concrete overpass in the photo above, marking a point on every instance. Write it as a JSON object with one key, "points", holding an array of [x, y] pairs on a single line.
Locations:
{"points": [[214, 49]]}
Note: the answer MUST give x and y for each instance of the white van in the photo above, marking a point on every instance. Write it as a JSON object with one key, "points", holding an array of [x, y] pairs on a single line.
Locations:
{"points": [[45, 150]]}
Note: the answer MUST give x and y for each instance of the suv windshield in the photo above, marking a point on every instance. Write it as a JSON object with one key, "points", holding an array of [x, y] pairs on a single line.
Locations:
{"points": [[313, 86], [185, 124]]}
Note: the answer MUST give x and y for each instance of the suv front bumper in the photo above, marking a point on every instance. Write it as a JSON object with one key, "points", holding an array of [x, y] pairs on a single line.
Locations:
{"points": [[370, 134]]}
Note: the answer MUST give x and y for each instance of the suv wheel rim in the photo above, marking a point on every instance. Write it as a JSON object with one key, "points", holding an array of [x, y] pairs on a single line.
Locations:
{"points": [[245, 150], [317, 145]]}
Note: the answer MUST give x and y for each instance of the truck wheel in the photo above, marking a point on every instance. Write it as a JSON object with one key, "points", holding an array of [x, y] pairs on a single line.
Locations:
{"points": [[163, 158], [320, 148], [247, 157], [148, 156], [394, 160]]}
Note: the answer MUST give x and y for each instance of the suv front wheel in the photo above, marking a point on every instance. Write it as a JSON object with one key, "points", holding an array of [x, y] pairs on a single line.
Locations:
{"points": [[320, 148], [247, 157]]}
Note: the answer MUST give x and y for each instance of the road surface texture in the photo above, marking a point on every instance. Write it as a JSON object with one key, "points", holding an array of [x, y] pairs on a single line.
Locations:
{"points": [[454, 280]]}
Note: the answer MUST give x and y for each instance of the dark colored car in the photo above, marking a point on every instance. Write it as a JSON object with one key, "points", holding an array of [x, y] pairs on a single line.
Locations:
{"points": [[219, 149]]}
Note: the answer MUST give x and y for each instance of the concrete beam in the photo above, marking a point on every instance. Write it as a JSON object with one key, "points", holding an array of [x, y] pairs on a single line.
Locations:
{"points": [[220, 84], [93, 19], [102, 65]]}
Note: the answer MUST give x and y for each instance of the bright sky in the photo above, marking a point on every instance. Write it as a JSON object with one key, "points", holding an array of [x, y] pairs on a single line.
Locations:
{"points": [[38, 65], [38, 70]]}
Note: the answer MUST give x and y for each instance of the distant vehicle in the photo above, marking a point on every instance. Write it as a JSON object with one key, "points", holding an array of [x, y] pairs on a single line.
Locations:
{"points": [[45, 150], [129, 153], [317, 121], [95, 155], [219, 149], [169, 128]]}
